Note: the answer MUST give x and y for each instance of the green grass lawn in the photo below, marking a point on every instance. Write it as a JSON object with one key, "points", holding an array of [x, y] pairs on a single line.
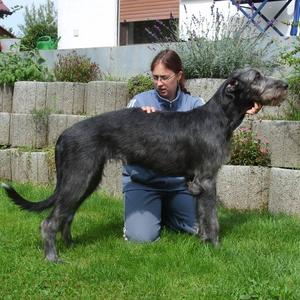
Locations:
{"points": [[259, 257]]}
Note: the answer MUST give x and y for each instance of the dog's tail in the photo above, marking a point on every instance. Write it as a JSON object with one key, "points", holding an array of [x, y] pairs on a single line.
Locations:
{"points": [[25, 204]]}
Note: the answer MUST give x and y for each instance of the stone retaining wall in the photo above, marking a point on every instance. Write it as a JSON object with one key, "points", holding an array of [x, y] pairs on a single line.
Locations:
{"points": [[68, 97], [29, 130], [238, 187]]}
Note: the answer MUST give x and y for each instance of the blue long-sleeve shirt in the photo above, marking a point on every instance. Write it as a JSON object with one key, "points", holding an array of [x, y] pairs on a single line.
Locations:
{"points": [[137, 177]]}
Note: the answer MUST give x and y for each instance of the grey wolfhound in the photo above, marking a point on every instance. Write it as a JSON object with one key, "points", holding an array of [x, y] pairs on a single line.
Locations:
{"points": [[193, 144]]}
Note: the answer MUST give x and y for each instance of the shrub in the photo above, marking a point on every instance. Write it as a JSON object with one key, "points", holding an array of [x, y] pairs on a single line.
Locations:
{"points": [[22, 67], [38, 22], [292, 59], [292, 113], [139, 84], [76, 68], [247, 150]]}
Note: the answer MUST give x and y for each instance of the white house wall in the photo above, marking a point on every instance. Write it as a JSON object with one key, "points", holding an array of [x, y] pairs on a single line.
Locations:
{"points": [[94, 23], [188, 8], [89, 23]]}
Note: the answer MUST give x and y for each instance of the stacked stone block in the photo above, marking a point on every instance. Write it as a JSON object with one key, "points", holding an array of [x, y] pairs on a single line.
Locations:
{"points": [[244, 187], [6, 95], [284, 141]]}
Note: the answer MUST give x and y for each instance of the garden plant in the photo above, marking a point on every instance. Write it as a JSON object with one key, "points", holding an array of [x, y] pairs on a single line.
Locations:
{"points": [[214, 47], [76, 68], [25, 66]]}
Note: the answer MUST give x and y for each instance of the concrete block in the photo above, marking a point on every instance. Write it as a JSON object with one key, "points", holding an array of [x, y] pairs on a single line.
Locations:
{"points": [[5, 164], [4, 128], [79, 98], [66, 97], [112, 179], [284, 191], [90, 104], [51, 96], [29, 167], [203, 87], [40, 160], [6, 96], [40, 95], [122, 95], [109, 96], [104, 96], [58, 123], [284, 141], [21, 166], [243, 187], [99, 99], [72, 119], [24, 97], [27, 131]]}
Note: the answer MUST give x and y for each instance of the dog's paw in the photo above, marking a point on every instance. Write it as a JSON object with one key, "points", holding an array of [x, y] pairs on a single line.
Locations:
{"points": [[214, 241]]}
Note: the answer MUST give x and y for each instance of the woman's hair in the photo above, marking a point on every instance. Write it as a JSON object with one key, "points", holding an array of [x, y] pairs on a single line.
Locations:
{"points": [[171, 60]]}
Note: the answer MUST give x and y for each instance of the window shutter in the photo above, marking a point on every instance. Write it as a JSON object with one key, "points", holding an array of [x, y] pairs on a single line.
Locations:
{"points": [[143, 10]]}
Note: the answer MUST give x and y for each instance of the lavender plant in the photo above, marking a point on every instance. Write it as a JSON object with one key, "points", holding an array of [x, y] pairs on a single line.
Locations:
{"points": [[214, 47]]}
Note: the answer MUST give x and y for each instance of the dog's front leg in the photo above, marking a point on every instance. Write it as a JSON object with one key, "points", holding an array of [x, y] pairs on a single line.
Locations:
{"points": [[207, 209]]}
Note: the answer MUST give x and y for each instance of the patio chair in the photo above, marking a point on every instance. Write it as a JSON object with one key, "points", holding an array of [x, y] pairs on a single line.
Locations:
{"points": [[253, 13]]}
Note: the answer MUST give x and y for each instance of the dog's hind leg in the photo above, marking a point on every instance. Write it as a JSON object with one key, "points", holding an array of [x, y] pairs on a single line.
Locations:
{"points": [[74, 190], [49, 228], [66, 229], [207, 209]]}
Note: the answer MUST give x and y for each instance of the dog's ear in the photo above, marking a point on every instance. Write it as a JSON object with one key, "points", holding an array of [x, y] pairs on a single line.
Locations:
{"points": [[231, 85]]}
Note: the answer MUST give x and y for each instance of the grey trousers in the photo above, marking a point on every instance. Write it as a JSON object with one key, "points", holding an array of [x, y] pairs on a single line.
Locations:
{"points": [[147, 211]]}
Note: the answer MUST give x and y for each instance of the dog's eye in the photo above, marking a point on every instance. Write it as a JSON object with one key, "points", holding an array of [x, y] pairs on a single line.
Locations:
{"points": [[257, 76]]}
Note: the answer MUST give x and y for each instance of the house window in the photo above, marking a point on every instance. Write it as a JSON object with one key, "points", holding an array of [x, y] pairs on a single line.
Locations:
{"points": [[141, 32], [144, 21]]}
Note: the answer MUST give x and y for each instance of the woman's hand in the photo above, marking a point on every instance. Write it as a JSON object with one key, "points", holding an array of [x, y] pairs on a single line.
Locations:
{"points": [[255, 109], [148, 109]]}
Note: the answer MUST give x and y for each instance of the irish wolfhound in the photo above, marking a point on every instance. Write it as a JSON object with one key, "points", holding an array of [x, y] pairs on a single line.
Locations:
{"points": [[192, 144]]}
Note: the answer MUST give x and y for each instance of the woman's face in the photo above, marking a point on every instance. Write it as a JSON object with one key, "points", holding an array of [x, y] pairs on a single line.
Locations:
{"points": [[165, 81]]}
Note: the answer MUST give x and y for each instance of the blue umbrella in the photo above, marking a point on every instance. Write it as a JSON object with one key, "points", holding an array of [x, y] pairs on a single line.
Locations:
{"points": [[294, 28]]}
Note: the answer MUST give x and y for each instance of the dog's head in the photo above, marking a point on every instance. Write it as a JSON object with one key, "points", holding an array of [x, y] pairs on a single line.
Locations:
{"points": [[253, 86]]}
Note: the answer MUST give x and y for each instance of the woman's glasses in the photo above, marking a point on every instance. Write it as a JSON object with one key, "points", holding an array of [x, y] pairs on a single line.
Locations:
{"points": [[162, 78]]}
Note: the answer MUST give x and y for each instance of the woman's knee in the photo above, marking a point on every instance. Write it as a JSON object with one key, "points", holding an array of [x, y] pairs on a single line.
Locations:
{"points": [[142, 228]]}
